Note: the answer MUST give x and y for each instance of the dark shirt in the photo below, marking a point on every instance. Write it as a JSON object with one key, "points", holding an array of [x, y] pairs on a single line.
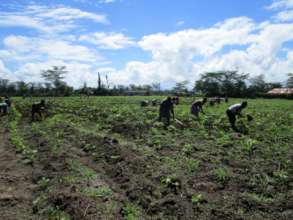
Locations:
{"points": [[166, 107]]}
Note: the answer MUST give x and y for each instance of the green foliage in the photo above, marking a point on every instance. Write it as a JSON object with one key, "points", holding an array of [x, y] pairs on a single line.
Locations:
{"points": [[249, 146], [192, 166], [221, 174], [196, 199], [16, 138], [55, 213], [187, 149], [100, 192], [43, 182], [260, 160], [131, 212], [259, 199]]}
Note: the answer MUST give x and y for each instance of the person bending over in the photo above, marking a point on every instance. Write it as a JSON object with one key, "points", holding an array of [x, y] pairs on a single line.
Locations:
{"points": [[196, 107], [166, 109], [233, 111], [38, 108]]}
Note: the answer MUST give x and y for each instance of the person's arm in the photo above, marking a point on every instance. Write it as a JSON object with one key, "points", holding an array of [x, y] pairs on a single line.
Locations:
{"points": [[201, 109], [238, 112], [172, 111]]}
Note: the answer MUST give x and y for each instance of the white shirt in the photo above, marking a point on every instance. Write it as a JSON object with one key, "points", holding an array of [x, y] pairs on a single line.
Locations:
{"points": [[3, 104], [235, 108]]}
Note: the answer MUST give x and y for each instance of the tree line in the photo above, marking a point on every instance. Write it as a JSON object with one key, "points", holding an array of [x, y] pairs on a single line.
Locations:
{"points": [[221, 83]]}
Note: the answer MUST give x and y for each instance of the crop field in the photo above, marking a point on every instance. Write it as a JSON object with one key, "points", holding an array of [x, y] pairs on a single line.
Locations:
{"points": [[110, 158]]}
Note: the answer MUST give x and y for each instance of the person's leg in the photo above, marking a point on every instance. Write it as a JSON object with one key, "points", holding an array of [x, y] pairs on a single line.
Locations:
{"points": [[195, 111], [232, 120], [168, 120], [41, 116], [5, 110]]}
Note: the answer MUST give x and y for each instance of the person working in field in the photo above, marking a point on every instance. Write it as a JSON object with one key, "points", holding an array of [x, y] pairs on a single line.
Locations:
{"points": [[3, 107], [37, 108], [234, 110], [175, 100], [196, 107], [166, 109], [8, 102]]}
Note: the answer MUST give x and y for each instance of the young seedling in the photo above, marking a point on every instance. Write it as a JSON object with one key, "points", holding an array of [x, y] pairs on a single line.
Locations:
{"points": [[221, 174], [192, 166], [196, 199]]}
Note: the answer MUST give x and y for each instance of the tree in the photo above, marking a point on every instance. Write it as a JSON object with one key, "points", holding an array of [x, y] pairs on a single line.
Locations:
{"points": [[156, 86], [100, 83], [181, 87], [273, 85], [290, 80], [55, 76], [258, 84], [22, 88], [3, 85], [229, 83]]}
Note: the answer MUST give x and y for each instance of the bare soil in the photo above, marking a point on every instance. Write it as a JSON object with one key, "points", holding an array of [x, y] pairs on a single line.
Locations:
{"points": [[16, 186]]}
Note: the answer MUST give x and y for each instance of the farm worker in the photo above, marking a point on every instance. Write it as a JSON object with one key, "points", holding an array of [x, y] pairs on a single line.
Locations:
{"points": [[38, 108], [3, 107], [196, 107], [175, 100], [144, 103], [154, 102], [234, 110], [166, 109], [7, 101]]}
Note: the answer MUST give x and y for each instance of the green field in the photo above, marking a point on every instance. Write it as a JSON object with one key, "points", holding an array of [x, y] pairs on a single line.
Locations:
{"points": [[109, 158]]}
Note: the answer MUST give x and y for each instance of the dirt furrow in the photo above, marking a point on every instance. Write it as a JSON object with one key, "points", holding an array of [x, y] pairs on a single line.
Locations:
{"points": [[16, 187]]}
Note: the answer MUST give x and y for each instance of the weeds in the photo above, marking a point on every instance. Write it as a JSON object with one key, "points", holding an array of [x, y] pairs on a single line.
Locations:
{"points": [[131, 212], [192, 166], [221, 174], [17, 140], [196, 199]]}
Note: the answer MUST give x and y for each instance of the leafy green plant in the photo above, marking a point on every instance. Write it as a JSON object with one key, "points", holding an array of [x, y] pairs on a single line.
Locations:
{"points": [[221, 174], [196, 199], [281, 175], [187, 149], [131, 212], [55, 213], [192, 166], [259, 199], [43, 182], [17, 140], [100, 192], [249, 146]]}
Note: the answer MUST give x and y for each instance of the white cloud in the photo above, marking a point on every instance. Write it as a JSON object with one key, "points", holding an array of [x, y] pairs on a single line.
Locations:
{"points": [[48, 20], [204, 42], [106, 1], [24, 48], [180, 23], [188, 53], [280, 4], [108, 40], [65, 14], [236, 43], [32, 23], [98, 1], [77, 73], [5, 73], [284, 16]]}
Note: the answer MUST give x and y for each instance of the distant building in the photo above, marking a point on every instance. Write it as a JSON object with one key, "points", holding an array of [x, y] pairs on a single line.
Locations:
{"points": [[278, 91]]}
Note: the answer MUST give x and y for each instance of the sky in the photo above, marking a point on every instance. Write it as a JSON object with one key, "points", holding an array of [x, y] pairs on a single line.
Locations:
{"points": [[145, 41]]}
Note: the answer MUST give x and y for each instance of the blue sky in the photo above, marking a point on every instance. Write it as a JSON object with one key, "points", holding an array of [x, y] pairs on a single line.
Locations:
{"points": [[145, 41]]}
